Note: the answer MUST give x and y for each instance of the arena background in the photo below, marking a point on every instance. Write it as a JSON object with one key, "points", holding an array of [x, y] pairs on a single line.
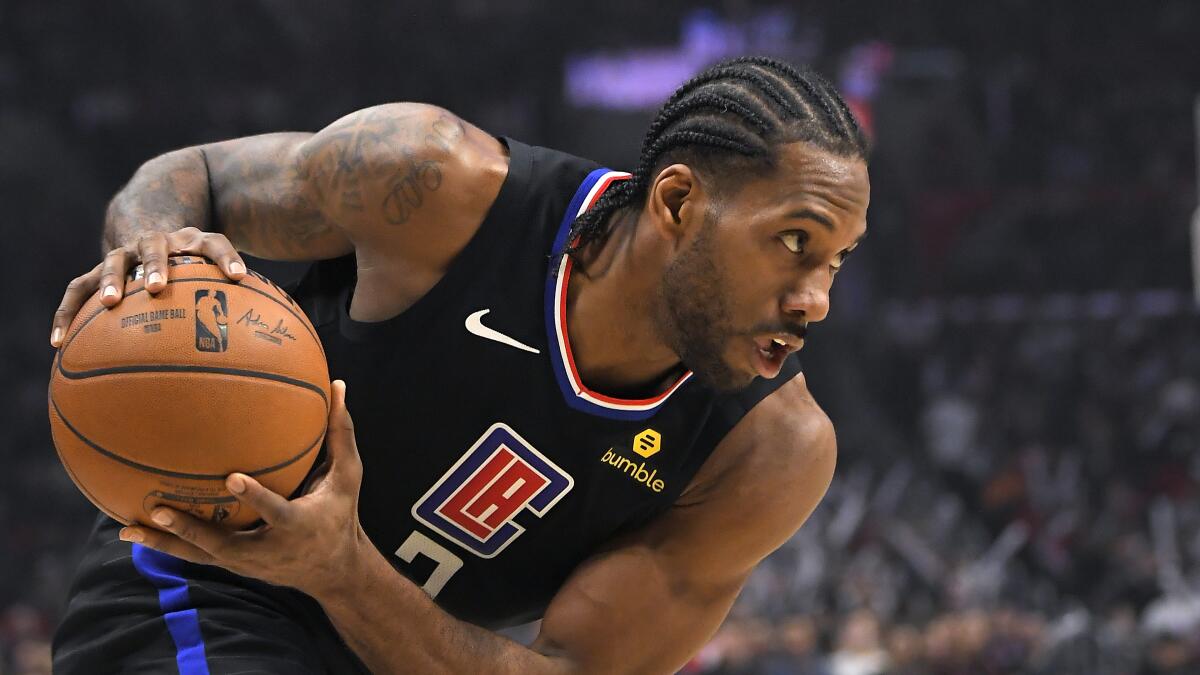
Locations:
{"points": [[1012, 362]]}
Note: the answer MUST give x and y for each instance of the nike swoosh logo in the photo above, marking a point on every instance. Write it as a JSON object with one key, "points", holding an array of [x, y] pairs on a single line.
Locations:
{"points": [[475, 325]]}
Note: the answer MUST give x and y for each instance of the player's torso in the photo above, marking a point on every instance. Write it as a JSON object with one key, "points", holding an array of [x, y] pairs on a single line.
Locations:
{"points": [[487, 475], [472, 458]]}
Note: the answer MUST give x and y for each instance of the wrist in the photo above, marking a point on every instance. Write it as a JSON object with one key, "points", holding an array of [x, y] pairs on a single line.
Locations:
{"points": [[351, 571]]}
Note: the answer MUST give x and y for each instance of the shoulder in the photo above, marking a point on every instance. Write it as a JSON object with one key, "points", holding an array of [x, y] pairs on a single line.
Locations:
{"points": [[765, 477], [785, 437], [408, 184], [397, 163], [787, 426], [387, 133]]}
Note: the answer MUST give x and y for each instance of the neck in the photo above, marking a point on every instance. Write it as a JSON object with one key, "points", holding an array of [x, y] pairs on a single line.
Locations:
{"points": [[611, 303]]}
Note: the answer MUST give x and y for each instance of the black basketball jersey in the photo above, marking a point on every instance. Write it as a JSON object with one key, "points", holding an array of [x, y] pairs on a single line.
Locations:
{"points": [[490, 470]]}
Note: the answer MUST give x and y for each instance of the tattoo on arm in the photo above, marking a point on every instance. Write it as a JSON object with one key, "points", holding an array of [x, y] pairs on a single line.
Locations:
{"points": [[167, 193], [406, 190], [261, 202], [285, 195], [374, 148]]}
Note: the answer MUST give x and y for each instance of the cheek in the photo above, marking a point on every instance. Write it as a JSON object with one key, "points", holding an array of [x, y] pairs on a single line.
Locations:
{"points": [[761, 276]]}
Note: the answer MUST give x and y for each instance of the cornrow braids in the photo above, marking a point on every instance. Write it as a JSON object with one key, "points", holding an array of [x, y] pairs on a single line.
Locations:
{"points": [[732, 115]]}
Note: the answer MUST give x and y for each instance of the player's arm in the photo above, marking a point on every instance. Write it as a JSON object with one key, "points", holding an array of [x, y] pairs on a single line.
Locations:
{"points": [[251, 190], [370, 180]]}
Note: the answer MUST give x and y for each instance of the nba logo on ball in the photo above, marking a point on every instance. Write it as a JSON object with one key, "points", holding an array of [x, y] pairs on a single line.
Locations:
{"points": [[212, 321], [501, 476]]}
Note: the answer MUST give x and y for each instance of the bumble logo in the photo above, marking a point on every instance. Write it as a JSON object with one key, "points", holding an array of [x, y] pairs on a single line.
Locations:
{"points": [[638, 472], [647, 443]]}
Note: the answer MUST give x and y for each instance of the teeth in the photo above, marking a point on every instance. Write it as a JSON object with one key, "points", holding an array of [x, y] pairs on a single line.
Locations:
{"points": [[779, 342]]}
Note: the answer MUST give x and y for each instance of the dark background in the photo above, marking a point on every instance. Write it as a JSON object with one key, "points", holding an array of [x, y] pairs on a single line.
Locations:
{"points": [[1012, 358]]}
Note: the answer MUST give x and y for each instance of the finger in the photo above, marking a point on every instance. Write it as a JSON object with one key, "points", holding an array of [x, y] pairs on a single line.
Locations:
{"points": [[205, 536], [165, 542], [274, 508], [78, 291], [220, 250], [212, 245], [112, 275], [346, 466], [152, 251], [185, 240]]}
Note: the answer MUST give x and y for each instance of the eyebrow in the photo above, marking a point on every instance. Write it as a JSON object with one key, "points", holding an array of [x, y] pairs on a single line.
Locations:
{"points": [[813, 215]]}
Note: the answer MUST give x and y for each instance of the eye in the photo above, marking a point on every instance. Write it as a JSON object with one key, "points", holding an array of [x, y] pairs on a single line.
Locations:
{"points": [[794, 240], [841, 260]]}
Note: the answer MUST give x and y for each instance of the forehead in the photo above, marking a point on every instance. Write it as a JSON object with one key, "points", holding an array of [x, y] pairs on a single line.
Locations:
{"points": [[811, 177]]}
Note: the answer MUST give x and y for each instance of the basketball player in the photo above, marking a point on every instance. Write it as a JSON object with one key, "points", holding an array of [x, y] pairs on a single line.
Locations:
{"points": [[572, 387]]}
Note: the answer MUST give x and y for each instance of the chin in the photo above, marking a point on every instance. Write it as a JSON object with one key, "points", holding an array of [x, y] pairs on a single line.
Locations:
{"points": [[724, 380]]}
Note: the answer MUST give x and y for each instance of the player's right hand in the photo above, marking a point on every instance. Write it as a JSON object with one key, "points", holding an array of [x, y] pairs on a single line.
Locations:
{"points": [[151, 250]]}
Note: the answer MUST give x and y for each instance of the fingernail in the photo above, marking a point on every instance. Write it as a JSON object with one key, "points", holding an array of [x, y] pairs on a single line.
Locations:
{"points": [[154, 278], [235, 484], [162, 518], [110, 291], [236, 267], [56, 336], [127, 534]]}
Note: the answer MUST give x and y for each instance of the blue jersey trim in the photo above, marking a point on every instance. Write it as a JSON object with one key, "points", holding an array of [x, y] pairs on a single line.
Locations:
{"points": [[560, 368], [183, 622], [560, 240]]}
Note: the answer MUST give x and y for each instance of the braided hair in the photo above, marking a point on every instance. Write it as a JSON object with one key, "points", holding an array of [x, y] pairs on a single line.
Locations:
{"points": [[731, 117]]}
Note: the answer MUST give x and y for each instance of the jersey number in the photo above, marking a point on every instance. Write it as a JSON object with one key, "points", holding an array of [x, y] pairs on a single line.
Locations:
{"points": [[447, 562]]}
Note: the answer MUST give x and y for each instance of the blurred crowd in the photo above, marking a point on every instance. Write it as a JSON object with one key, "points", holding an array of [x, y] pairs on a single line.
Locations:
{"points": [[1012, 361], [1042, 517]]}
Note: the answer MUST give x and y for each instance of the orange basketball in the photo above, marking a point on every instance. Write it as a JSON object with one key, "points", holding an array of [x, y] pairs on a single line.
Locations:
{"points": [[158, 399]]}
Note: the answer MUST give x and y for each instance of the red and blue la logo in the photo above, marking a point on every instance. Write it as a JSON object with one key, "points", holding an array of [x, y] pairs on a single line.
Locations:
{"points": [[476, 501]]}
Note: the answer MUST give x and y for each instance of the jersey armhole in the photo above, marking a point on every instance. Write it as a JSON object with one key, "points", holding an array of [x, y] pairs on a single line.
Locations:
{"points": [[328, 284]]}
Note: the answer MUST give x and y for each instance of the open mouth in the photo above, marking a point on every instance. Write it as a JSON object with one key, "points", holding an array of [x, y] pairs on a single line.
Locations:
{"points": [[772, 350]]}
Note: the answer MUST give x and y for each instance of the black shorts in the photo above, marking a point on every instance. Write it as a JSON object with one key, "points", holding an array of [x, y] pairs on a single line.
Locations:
{"points": [[135, 610]]}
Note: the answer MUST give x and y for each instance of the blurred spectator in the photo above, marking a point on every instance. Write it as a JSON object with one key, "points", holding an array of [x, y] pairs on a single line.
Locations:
{"points": [[858, 650], [796, 650], [906, 650]]}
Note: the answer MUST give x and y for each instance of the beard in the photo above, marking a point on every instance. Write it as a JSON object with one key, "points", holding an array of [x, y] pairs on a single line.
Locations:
{"points": [[695, 316]]}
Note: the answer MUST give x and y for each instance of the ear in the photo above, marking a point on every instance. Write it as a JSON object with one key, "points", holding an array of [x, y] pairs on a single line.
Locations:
{"points": [[676, 201]]}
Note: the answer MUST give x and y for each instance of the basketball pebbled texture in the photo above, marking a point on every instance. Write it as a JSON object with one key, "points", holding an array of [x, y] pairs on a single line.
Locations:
{"points": [[157, 400]]}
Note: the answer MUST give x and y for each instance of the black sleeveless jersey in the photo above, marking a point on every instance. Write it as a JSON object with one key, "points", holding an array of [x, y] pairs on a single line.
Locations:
{"points": [[490, 469]]}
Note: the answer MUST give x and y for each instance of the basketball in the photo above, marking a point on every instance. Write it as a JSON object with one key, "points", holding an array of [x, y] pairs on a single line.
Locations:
{"points": [[156, 400]]}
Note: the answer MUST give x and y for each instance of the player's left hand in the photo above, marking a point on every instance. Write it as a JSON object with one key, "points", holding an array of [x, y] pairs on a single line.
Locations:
{"points": [[308, 543]]}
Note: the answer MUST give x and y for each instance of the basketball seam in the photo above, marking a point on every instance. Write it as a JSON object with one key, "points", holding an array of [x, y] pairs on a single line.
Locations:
{"points": [[79, 484], [176, 474], [185, 368]]}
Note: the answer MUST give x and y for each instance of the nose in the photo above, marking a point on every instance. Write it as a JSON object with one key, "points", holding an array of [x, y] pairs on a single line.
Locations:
{"points": [[809, 300]]}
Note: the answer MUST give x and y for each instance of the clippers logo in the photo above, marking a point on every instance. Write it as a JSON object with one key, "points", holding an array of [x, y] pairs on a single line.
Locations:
{"points": [[475, 502], [212, 321]]}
